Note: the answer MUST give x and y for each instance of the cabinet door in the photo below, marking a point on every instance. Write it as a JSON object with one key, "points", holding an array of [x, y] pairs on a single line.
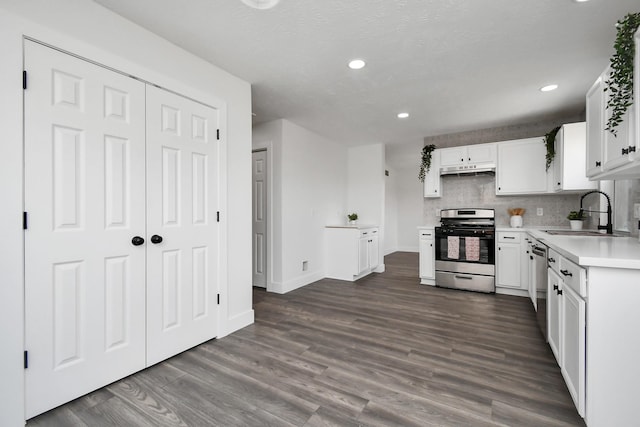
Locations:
{"points": [[595, 127], [373, 252], [572, 354], [432, 178], [453, 156], [554, 309], [84, 285], [508, 265], [616, 147], [363, 255], [521, 167], [427, 261], [481, 153]]}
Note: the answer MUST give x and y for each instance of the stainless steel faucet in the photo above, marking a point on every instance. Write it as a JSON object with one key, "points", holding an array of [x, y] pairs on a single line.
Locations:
{"points": [[609, 226]]}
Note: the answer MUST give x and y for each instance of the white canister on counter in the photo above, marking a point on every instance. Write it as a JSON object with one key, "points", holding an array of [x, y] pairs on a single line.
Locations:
{"points": [[516, 221]]}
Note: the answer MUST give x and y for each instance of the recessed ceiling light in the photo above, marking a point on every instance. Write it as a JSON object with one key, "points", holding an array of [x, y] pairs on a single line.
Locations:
{"points": [[356, 64], [548, 88], [580, 1], [403, 115]]}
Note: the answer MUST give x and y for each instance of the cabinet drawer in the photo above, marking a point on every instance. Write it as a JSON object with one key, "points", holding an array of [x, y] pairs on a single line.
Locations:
{"points": [[508, 237], [368, 232], [426, 234], [553, 260], [573, 276]]}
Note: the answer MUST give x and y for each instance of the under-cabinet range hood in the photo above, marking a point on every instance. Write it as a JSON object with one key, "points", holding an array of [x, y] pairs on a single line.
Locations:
{"points": [[469, 169]]}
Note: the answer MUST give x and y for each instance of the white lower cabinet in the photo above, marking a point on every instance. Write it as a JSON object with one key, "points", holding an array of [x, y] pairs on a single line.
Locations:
{"points": [[572, 354], [427, 257], [512, 268], [566, 322], [351, 252]]}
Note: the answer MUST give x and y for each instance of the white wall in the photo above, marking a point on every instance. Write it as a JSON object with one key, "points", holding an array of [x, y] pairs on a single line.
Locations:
{"points": [[410, 195], [309, 176], [366, 194], [90, 31]]}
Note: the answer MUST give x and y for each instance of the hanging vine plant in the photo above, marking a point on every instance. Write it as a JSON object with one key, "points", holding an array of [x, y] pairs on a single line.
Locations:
{"points": [[549, 142], [425, 164], [620, 81]]}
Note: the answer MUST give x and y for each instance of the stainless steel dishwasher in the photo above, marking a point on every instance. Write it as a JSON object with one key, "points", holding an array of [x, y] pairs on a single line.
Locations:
{"points": [[540, 276]]}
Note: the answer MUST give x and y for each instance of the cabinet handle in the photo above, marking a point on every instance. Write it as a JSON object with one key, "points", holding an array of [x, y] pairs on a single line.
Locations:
{"points": [[530, 257], [625, 151], [598, 164], [463, 277], [469, 158], [632, 149], [431, 244], [558, 183], [462, 160], [551, 260], [566, 273], [559, 291], [508, 237], [555, 287], [155, 239]]}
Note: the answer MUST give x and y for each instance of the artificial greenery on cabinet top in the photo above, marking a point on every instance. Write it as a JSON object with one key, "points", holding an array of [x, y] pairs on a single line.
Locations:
{"points": [[620, 81], [425, 163]]}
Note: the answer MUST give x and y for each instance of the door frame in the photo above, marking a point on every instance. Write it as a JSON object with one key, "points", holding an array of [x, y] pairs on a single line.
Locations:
{"points": [[268, 147]]}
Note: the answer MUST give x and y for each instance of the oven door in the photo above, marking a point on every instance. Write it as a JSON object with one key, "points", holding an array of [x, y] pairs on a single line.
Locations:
{"points": [[465, 250]]}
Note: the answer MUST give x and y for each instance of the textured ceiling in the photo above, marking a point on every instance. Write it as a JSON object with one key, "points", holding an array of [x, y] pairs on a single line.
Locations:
{"points": [[454, 65]]}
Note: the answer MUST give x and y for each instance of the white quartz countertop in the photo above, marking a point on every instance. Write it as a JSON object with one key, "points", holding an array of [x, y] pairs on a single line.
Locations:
{"points": [[354, 226], [590, 251]]}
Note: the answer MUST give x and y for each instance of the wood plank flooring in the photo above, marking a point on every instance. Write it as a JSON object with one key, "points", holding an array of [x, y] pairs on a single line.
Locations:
{"points": [[382, 351]]}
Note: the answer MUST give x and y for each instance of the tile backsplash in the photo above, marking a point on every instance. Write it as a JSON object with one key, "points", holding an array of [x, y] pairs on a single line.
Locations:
{"points": [[468, 191]]}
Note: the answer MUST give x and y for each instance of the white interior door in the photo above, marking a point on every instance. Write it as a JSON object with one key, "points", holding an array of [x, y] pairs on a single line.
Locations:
{"points": [[84, 194], [182, 200], [260, 195]]}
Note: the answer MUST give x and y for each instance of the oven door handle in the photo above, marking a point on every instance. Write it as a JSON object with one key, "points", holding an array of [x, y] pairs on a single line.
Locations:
{"points": [[463, 277]]}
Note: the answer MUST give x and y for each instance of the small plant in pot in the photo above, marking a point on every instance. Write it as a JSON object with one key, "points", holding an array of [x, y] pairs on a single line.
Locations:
{"points": [[576, 218], [353, 218]]}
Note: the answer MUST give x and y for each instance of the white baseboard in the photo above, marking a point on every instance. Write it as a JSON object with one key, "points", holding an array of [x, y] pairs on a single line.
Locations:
{"points": [[380, 269], [408, 249], [298, 282], [390, 251], [509, 291]]}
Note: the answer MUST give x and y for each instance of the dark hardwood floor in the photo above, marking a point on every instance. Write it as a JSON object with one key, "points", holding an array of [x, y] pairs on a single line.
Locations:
{"points": [[381, 351]]}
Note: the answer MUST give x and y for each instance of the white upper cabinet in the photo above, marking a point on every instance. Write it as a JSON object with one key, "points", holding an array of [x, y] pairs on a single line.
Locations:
{"points": [[619, 158], [521, 167], [595, 126], [432, 177], [568, 163], [476, 154]]}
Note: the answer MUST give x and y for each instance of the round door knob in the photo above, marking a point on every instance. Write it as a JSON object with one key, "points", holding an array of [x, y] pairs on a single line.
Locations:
{"points": [[137, 241], [155, 239]]}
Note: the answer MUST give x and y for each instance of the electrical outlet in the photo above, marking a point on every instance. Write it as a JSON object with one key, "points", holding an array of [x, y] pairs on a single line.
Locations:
{"points": [[636, 210], [539, 212]]}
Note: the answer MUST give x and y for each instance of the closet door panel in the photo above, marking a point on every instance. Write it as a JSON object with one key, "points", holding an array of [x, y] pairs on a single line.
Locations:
{"points": [[182, 157], [85, 198]]}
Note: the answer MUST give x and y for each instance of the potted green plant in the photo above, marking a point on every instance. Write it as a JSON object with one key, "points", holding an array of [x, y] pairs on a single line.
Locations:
{"points": [[353, 218], [576, 218]]}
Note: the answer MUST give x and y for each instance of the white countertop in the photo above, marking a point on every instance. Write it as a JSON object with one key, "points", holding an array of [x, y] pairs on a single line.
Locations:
{"points": [[591, 251], [354, 226]]}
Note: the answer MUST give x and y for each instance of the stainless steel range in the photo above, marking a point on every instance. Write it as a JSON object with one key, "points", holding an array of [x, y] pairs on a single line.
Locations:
{"points": [[465, 250]]}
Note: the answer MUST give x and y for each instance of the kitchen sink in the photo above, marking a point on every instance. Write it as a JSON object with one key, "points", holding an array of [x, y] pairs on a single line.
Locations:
{"points": [[593, 233]]}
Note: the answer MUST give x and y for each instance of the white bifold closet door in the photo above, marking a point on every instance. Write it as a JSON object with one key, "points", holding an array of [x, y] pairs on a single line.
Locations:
{"points": [[107, 174], [182, 197]]}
